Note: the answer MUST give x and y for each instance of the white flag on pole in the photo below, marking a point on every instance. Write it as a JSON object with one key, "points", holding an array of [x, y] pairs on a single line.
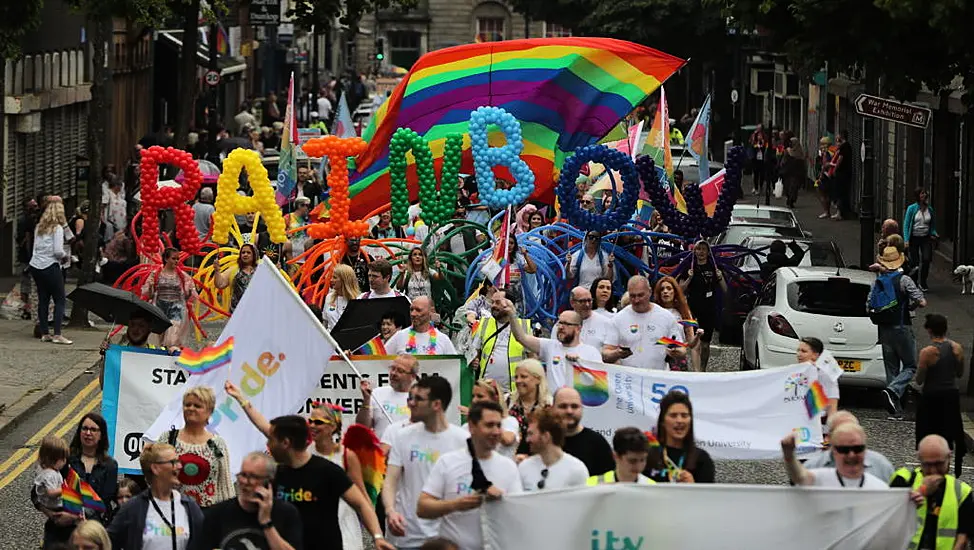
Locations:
{"points": [[280, 352]]}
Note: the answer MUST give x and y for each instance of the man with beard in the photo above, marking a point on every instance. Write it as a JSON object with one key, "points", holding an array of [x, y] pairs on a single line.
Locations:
{"points": [[555, 354], [359, 260], [849, 450], [314, 485], [253, 519], [393, 398], [463, 479], [945, 515], [414, 451], [549, 466], [498, 351], [583, 443], [421, 338]]}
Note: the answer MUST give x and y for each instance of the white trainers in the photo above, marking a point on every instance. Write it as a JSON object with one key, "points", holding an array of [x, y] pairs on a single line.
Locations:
{"points": [[58, 339], [46, 338], [823, 215]]}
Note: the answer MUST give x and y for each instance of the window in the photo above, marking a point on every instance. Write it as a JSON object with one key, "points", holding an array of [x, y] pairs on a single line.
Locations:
{"points": [[768, 293], [836, 297], [404, 48], [490, 29], [554, 30]]}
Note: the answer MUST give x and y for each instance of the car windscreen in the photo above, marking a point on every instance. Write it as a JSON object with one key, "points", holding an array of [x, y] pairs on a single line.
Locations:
{"points": [[736, 234], [765, 214], [816, 254], [836, 297]]}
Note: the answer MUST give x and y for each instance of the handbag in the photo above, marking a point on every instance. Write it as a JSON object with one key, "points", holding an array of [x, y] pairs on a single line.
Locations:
{"points": [[779, 189]]}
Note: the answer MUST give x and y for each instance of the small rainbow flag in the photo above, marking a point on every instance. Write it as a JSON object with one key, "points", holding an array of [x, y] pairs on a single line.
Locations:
{"points": [[653, 442], [667, 341], [689, 323], [372, 347], [207, 359], [76, 495], [815, 399], [362, 441]]}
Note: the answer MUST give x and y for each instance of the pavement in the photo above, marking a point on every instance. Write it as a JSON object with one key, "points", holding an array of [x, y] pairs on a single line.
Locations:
{"points": [[944, 296]]}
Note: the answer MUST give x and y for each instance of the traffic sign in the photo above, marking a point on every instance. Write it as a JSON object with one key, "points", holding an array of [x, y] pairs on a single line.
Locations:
{"points": [[265, 13], [893, 111], [734, 96], [212, 78]]}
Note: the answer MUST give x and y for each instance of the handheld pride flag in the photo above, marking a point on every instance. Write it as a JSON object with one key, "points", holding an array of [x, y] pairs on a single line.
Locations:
{"points": [[667, 341], [689, 323], [76, 495], [287, 175], [815, 399], [698, 138], [207, 359], [372, 347], [363, 442]]}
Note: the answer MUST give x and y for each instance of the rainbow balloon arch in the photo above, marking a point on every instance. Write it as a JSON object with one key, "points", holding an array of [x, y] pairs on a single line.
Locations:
{"points": [[407, 156]]}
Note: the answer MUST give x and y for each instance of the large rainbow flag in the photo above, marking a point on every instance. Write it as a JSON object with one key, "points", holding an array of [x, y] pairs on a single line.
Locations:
{"points": [[566, 92]]}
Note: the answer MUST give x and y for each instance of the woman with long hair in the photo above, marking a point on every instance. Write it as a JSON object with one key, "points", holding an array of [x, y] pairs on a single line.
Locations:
{"points": [[677, 459], [701, 284], [247, 259], [920, 235], [89, 457], [530, 393], [416, 278], [487, 389], [344, 289], [170, 289], [45, 266], [325, 424], [151, 517], [590, 262], [204, 456], [667, 293], [603, 300]]}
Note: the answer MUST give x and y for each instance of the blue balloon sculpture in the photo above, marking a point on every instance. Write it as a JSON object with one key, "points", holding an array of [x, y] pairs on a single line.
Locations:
{"points": [[486, 157], [624, 204]]}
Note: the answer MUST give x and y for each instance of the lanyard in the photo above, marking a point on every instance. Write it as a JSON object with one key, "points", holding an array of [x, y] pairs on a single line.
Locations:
{"points": [[862, 480], [170, 525]]}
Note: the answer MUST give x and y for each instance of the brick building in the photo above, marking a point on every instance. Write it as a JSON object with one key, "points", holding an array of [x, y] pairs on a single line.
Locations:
{"points": [[437, 24]]}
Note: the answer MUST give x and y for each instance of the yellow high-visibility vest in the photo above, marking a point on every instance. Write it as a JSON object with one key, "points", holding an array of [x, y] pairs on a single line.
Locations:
{"points": [[515, 351], [954, 493], [610, 477]]}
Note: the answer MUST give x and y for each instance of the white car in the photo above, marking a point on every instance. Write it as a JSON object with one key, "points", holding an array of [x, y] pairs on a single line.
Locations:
{"points": [[777, 214], [827, 303]]}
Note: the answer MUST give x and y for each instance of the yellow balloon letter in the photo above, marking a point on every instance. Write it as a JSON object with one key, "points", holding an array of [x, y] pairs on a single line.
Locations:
{"points": [[229, 203]]}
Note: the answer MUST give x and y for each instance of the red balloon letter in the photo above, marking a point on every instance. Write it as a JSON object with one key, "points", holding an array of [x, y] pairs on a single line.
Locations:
{"points": [[155, 198]]}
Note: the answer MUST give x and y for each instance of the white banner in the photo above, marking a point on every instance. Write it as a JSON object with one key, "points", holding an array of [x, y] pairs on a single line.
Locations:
{"points": [[691, 517], [139, 384], [736, 415]]}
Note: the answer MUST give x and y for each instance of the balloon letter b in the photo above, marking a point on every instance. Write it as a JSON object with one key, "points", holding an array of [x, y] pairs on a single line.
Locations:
{"points": [[156, 198], [486, 157], [229, 203]]}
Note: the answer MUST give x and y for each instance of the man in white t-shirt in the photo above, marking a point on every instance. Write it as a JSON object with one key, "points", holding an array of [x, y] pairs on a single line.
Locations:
{"points": [[414, 451], [380, 281], [324, 107], [595, 327], [393, 399], [421, 338], [461, 480], [556, 354], [549, 466], [638, 327], [848, 443]]}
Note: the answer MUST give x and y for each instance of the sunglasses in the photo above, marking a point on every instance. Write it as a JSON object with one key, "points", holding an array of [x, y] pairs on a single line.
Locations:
{"points": [[319, 421], [846, 449], [544, 477]]}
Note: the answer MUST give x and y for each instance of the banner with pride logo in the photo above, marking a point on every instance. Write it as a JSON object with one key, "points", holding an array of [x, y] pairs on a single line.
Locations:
{"points": [[627, 516], [736, 415]]}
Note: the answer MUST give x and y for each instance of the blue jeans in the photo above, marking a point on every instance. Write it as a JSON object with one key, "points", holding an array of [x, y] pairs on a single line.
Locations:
{"points": [[899, 346]]}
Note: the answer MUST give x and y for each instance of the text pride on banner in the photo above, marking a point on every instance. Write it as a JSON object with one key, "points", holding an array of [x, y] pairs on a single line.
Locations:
{"points": [[736, 415], [671, 516], [139, 383], [280, 350]]}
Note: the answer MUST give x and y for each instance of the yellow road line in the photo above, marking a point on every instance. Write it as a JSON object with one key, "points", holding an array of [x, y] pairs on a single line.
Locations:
{"points": [[19, 454], [27, 463]]}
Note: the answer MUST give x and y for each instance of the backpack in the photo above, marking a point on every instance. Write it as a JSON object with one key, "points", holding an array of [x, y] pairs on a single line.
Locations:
{"points": [[887, 302]]}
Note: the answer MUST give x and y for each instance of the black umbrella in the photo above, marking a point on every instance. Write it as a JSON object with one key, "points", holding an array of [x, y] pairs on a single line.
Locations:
{"points": [[118, 306], [359, 322]]}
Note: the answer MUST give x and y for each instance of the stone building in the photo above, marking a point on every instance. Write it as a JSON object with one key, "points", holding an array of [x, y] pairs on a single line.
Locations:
{"points": [[436, 24]]}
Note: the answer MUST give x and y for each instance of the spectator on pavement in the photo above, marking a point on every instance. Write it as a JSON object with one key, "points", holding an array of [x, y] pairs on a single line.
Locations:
{"points": [[939, 366], [583, 443], [203, 213], [945, 513], [45, 265], [848, 451], [920, 235], [874, 462]]}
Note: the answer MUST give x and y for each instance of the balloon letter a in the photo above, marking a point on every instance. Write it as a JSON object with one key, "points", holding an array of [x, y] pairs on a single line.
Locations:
{"points": [[229, 203]]}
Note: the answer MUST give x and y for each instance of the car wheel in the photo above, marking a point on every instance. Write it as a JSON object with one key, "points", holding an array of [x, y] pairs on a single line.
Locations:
{"points": [[742, 364]]}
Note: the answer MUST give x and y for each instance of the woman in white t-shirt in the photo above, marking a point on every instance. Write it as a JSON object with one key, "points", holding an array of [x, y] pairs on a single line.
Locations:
{"points": [[486, 390], [590, 262], [417, 278], [603, 301], [344, 288], [667, 293]]}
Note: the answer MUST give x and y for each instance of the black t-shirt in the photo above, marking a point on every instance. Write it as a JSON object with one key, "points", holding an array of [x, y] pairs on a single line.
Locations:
{"points": [[702, 469], [703, 285], [592, 449], [844, 170], [227, 526], [314, 489], [965, 514]]}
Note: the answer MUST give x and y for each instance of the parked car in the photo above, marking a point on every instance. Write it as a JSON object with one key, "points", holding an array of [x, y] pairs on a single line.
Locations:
{"points": [[827, 303], [774, 213], [740, 228]]}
